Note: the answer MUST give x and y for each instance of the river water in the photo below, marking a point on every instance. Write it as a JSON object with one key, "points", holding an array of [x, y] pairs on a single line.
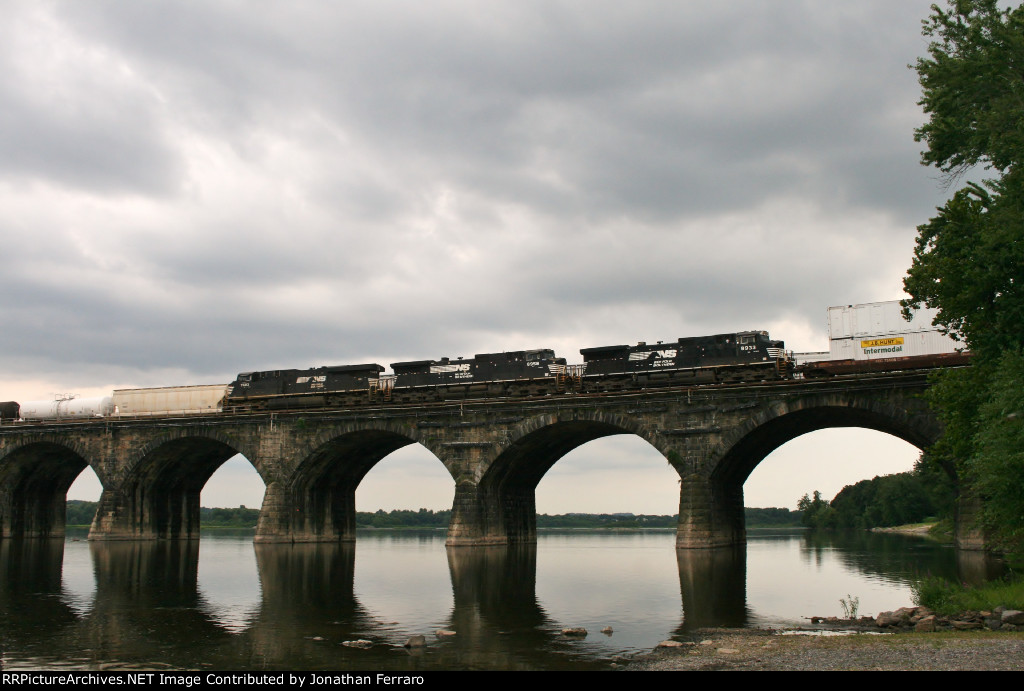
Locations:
{"points": [[224, 603]]}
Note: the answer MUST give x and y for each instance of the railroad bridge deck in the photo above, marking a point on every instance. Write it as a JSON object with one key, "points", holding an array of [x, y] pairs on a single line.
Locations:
{"points": [[153, 469]]}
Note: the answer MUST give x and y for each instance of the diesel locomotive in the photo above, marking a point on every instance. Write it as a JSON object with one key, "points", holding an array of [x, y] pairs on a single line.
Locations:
{"points": [[723, 358]]}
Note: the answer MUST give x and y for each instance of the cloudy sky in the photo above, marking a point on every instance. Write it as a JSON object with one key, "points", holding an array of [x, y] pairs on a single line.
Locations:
{"points": [[193, 189]]}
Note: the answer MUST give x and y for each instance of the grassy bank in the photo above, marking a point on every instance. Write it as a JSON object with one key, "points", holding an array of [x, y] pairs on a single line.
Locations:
{"points": [[948, 598]]}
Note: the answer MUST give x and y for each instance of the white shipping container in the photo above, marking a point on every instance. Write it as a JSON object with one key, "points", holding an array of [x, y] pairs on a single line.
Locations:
{"points": [[169, 400], [878, 330]]}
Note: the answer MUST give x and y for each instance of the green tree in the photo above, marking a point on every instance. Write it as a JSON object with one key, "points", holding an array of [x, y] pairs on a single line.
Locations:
{"points": [[973, 86], [996, 470], [815, 513], [969, 259]]}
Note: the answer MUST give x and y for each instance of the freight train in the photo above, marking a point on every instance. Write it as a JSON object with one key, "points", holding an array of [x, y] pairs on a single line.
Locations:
{"points": [[744, 356], [735, 357], [863, 338]]}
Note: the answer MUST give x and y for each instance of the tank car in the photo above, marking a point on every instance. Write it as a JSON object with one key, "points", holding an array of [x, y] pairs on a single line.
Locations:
{"points": [[68, 408], [516, 373], [741, 356], [310, 388]]}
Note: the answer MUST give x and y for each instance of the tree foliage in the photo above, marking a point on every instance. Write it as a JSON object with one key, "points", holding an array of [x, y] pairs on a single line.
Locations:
{"points": [[80, 512], [815, 512], [969, 259], [996, 470], [883, 501], [973, 86]]}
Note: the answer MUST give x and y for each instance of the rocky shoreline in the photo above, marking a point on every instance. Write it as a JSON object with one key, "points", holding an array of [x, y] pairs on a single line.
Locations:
{"points": [[923, 620], [753, 649], [910, 638]]}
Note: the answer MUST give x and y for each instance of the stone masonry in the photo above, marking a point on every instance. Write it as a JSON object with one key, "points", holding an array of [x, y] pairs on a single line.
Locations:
{"points": [[153, 470]]}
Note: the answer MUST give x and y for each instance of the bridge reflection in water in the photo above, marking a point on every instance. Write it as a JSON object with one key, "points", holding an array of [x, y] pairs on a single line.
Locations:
{"points": [[156, 603]]}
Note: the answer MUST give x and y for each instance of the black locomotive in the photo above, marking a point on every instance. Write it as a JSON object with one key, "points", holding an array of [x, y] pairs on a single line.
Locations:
{"points": [[518, 373], [723, 358], [744, 356], [319, 387]]}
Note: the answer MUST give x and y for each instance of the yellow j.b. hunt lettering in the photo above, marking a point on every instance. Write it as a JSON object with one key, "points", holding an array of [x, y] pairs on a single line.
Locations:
{"points": [[875, 343]]}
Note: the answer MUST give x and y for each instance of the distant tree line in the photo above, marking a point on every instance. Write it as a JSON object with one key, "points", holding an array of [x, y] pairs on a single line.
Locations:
{"points": [[771, 518], [228, 518], [403, 518], [81, 513]]}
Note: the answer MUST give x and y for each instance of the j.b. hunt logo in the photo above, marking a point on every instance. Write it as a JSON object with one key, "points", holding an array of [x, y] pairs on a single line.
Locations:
{"points": [[880, 342], [882, 346]]}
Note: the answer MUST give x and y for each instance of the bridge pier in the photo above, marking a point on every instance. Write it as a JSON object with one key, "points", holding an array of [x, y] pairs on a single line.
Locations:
{"points": [[32, 512], [710, 514], [157, 496], [318, 513], [967, 535], [135, 516], [34, 482], [480, 517]]}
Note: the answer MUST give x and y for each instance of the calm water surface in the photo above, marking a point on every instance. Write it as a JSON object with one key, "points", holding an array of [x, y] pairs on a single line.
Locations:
{"points": [[226, 604]]}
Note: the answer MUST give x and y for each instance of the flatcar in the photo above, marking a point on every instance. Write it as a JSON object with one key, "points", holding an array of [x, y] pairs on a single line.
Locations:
{"points": [[876, 337]]}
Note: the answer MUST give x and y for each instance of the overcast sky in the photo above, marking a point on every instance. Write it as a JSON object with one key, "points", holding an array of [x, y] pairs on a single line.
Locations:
{"points": [[193, 189]]}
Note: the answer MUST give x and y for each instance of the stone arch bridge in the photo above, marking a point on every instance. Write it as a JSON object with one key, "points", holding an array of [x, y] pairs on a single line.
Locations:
{"points": [[152, 470]]}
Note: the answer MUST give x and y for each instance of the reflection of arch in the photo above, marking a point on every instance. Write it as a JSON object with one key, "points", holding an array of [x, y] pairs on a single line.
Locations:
{"points": [[34, 481], [319, 495], [159, 495], [501, 506]]}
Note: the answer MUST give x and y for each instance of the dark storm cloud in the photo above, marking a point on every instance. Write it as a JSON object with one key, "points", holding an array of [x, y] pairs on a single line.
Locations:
{"points": [[210, 188], [653, 110]]}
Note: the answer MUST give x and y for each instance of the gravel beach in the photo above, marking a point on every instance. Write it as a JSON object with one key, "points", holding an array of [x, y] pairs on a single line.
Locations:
{"points": [[750, 649]]}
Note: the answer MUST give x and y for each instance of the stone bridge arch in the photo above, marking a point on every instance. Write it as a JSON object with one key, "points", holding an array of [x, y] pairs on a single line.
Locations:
{"points": [[35, 474], [495, 496], [711, 504], [157, 489], [312, 498]]}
